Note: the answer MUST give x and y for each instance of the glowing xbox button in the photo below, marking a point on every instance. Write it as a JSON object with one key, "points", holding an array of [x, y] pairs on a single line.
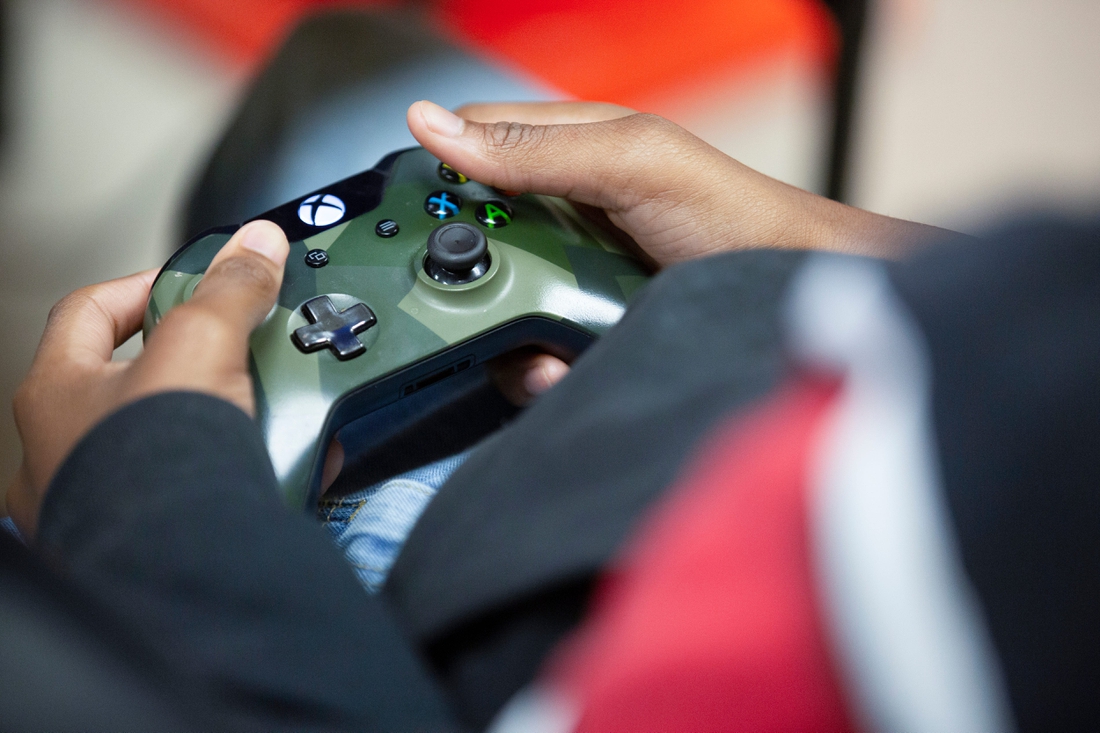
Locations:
{"points": [[494, 214], [321, 210]]}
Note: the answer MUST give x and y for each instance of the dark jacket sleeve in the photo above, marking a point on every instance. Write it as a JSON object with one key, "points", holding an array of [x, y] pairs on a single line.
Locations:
{"points": [[167, 515], [1012, 325], [500, 565]]}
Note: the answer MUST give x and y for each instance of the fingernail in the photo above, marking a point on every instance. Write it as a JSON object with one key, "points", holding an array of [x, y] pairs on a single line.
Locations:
{"points": [[266, 239], [548, 373], [536, 381], [441, 121]]}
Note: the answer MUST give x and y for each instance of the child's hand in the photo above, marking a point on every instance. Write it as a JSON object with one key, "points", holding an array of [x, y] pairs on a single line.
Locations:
{"points": [[200, 346], [673, 194]]}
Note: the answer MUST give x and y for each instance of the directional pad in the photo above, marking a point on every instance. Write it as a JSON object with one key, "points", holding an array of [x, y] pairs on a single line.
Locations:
{"points": [[333, 329]]}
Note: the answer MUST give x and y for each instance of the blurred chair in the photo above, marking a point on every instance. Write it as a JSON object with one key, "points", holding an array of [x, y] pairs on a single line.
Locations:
{"points": [[332, 103], [648, 54]]}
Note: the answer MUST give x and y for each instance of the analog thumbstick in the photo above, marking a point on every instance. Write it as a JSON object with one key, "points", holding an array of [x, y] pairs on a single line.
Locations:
{"points": [[457, 247]]}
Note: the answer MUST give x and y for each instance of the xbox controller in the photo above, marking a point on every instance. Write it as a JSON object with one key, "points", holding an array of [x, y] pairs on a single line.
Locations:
{"points": [[398, 278]]}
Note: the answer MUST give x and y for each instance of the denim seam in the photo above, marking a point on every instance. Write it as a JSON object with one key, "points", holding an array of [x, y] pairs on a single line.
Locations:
{"points": [[362, 504]]}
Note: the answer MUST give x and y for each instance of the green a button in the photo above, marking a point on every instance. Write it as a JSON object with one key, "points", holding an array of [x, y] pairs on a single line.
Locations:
{"points": [[494, 214]]}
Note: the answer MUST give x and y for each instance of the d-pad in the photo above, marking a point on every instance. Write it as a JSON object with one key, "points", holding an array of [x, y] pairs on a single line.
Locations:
{"points": [[333, 329]]}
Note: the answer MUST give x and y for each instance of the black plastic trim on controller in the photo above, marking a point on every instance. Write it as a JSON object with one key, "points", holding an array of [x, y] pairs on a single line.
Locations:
{"points": [[437, 376]]}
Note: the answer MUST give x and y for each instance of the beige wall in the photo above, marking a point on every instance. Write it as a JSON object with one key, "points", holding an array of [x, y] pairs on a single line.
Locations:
{"points": [[108, 117], [976, 108]]}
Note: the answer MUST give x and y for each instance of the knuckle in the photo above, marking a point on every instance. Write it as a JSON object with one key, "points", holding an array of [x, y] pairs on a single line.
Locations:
{"points": [[653, 153], [650, 126], [22, 400], [511, 137], [649, 134], [86, 300], [517, 150], [80, 307], [29, 396], [649, 123], [77, 301]]}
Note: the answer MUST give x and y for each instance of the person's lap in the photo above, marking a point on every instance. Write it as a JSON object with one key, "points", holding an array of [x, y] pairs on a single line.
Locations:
{"points": [[370, 525]]}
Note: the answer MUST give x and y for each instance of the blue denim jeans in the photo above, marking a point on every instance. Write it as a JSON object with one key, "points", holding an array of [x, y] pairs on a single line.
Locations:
{"points": [[6, 525], [371, 525]]}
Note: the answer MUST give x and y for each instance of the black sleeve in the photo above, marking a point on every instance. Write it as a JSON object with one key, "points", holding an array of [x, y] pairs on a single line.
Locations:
{"points": [[501, 564], [1013, 329], [167, 515]]}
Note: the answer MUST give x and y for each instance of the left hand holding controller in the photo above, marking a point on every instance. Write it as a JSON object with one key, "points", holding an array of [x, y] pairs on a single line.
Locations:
{"points": [[201, 346]]}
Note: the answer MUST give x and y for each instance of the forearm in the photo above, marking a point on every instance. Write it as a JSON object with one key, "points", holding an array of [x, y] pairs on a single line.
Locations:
{"points": [[806, 221], [848, 230], [167, 513]]}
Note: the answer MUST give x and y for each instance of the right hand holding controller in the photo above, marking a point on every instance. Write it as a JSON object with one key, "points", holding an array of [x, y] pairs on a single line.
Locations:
{"points": [[676, 196]]}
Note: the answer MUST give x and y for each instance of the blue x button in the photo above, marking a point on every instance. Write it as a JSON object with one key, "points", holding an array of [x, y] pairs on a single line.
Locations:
{"points": [[443, 205]]}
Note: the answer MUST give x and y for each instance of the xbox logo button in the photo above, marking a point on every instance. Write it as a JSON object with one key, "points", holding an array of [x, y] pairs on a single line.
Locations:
{"points": [[321, 210]]}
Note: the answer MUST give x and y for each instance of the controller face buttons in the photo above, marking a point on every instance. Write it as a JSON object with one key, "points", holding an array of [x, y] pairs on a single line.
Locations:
{"points": [[316, 258], [442, 205], [450, 175], [333, 329], [494, 214], [458, 253]]}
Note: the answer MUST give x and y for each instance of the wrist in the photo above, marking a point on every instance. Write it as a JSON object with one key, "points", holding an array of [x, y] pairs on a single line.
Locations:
{"points": [[846, 229]]}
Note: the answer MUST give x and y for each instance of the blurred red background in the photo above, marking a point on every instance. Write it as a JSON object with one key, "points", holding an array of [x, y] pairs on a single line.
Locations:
{"points": [[615, 50]]}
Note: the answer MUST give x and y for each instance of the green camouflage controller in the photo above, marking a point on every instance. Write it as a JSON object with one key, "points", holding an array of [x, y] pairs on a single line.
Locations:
{"points": [[398, 278]]}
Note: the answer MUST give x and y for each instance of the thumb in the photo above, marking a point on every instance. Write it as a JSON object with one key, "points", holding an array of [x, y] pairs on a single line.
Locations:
{"points": [[202, 345], [243, 280], [614, 164]]}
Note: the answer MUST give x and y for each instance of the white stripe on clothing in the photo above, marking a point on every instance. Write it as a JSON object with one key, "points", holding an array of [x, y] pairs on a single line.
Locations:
{"points": [[908, 625]]}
